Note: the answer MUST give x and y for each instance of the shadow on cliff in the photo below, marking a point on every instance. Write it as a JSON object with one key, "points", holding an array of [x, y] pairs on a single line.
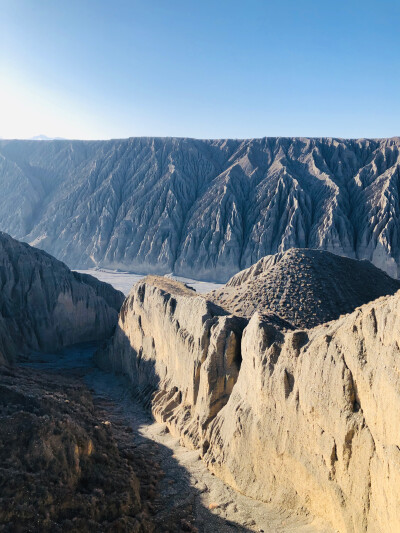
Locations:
{"points": [[177, 497], [183, 498], [184, 495]]}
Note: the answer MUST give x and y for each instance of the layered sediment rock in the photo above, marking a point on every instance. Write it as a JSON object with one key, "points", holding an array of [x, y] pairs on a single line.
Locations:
{"points": [[44, 306], [176, 344], [305, 419], [203, 209]]}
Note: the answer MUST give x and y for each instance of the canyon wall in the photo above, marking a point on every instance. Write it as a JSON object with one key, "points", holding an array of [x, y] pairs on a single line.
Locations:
{"points": [[312, 421], [305, 419], [176, 344], [44, 306], [204, 209]]}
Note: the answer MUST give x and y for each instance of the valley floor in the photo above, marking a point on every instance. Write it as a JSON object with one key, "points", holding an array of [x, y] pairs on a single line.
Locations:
{"points": [[123, 281], [187, 496]]}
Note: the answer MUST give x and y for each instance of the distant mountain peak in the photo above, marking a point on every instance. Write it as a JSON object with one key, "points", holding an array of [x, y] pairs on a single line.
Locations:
{"points": [[42, 137]]}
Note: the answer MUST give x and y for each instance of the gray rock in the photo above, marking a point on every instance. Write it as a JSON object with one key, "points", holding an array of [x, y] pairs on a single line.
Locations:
{"points": [[202, 209], [304, 287], [44, 306]]}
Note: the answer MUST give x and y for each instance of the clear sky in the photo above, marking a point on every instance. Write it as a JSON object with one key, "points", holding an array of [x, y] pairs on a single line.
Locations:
{"points": [[99, 69]]}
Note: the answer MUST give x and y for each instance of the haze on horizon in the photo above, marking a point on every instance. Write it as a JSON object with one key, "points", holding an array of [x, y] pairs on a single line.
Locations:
{"points": [[228, 69]]}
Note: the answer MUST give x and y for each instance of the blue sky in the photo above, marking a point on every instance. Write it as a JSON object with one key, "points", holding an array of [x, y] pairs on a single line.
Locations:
{"points": [[98, 69]]}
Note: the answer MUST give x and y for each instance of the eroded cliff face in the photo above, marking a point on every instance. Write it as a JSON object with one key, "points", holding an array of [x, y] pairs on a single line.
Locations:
{"points": [[44, 306], [306, 419], [203, 209], [179, 346], [312, 421]]}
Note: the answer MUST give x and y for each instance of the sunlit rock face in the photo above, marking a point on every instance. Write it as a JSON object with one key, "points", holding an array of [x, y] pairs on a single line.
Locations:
{"points": [[312, 421], [176, 344], [45, 306], [203, 209], [304, 418]]}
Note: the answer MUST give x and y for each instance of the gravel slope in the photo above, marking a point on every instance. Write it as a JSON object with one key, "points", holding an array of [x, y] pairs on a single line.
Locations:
{"points": [[304, 287]]}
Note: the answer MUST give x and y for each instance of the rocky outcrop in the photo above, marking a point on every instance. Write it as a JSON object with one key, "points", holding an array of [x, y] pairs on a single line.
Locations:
{"points": [[304, 419], [44, 306], [179, 349], [304, 287], [312, 421], [204, 209]]}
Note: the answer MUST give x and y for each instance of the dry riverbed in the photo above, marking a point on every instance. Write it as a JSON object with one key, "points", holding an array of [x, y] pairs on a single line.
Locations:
{"points": [[179, 492]]}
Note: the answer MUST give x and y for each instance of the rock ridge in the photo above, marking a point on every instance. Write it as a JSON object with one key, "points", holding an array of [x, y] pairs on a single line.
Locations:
{"points": [[302, 418], [311, 424], [179, 350], [45, 307], [203, 209]]}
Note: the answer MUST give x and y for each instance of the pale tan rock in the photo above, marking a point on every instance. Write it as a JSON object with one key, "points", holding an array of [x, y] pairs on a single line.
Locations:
{"points": [[173, 341], [307, 419], [313, 420]]}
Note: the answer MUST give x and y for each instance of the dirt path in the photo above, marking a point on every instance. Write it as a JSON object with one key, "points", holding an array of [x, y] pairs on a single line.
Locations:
{"points": [[187, 497]]}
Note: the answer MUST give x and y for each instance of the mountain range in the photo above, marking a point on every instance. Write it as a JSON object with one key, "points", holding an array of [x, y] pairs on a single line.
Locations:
{"points": [[203, 209]]}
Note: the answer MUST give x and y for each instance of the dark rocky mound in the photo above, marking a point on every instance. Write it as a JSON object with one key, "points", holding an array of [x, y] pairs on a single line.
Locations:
{"points": [[61, 468], [305, 287], [44, 306]]}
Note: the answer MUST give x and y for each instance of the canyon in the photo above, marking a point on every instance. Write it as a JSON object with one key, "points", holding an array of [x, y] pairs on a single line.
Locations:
{"points": [[79, 452], [300, 417], [283, 382]]}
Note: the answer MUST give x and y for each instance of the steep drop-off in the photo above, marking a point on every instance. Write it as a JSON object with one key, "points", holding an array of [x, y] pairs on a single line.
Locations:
{"points": [[175, 342], [304, 287], [204, 209], [44, 306], [305, 419], [312, 421]]}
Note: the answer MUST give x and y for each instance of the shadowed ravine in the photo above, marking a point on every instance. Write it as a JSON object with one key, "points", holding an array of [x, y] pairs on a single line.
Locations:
{"points": [[187, 492]]}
